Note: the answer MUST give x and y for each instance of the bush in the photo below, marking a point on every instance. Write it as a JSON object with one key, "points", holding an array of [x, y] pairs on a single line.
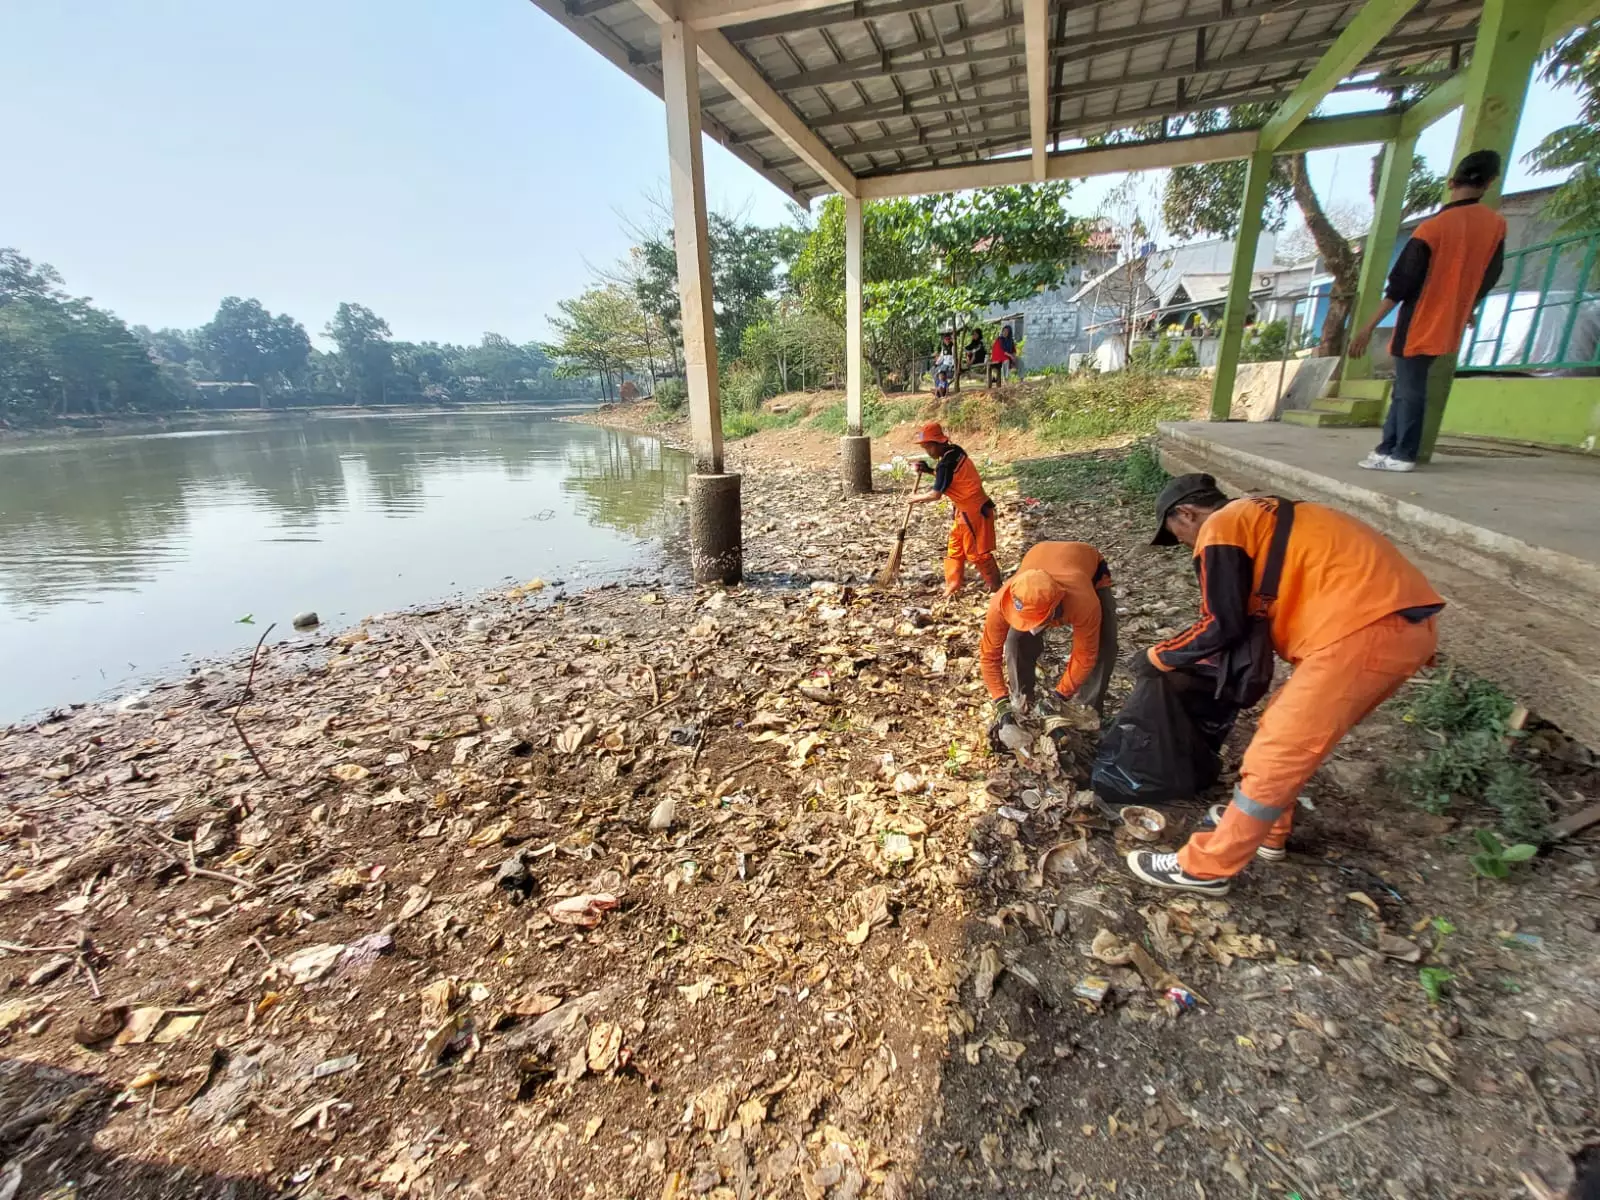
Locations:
{"points": [[672, 396], [743, 388], [1265, 343], [1473, 760]]}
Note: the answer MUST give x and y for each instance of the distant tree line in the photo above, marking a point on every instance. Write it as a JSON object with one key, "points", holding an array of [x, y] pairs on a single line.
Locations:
{"points": [[61, 354]]}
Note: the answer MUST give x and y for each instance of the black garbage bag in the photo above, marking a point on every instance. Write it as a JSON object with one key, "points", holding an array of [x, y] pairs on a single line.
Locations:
{"points": [[1165, 744]]}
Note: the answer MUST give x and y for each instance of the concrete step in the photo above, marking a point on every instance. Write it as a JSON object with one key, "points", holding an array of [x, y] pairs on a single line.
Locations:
{"points": [[1320, 419], [1367, 410], [1364, 389], [1526, 616]]}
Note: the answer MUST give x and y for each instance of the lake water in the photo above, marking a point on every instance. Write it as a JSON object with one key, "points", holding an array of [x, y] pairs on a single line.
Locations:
{"points": [[123, 557]]}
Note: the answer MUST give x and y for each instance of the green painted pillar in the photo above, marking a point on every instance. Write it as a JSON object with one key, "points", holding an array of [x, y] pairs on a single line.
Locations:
{"points": [[1390, 210], [1504, 57], [1239, 283]]}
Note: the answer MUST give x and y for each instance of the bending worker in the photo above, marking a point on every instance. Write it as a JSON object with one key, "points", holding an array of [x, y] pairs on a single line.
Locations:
{"points": [[1352, 614], [972, 533], [1057, 583]]}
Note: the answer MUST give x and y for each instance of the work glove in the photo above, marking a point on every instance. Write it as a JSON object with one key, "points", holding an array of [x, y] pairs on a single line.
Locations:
{"points": [[1003, 716], [922, 467]]}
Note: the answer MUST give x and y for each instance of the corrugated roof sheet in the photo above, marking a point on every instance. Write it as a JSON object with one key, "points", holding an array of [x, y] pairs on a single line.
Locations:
{"points": [[893, 86]]}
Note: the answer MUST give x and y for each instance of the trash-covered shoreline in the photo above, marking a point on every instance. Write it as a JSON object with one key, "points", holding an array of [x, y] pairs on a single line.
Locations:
{"points": [[666, 891]]}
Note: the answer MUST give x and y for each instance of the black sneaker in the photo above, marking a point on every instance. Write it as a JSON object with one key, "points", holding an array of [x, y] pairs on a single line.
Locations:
{"points": [[1264, 853], [1163, 871]]}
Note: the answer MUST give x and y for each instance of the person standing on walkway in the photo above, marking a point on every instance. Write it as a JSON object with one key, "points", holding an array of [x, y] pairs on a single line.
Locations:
{"points": [[1441, 276], [1057, 583], [972, 533], [1355, 617]]}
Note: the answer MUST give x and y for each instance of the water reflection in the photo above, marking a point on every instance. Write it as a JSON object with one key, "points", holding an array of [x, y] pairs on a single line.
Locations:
{"points": [[148, 548]]}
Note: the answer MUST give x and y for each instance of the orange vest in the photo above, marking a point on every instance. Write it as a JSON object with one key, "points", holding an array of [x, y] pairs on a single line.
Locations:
{"points": [[965, 489], [1462, 241], [1081, 572], [1339, 574]]}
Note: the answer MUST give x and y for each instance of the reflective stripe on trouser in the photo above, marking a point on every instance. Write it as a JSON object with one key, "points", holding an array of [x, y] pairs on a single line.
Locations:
{"points": [[971, 541], [1328, 695], [1022, 652]]}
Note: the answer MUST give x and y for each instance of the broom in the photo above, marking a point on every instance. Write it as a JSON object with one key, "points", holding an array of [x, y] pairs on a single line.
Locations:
{"points": [[892, 568]]}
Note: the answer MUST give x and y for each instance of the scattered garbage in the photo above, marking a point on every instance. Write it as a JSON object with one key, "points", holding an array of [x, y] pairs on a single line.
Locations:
{"points": [[1093, 989], [585, 910], [1144, 824]]}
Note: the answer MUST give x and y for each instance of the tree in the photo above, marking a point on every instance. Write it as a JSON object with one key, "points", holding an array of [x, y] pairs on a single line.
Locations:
{"points": [[600, 333], [1125, 225], [1574, 63], [1208, 198], [246, 343], [60, 354], [1350, 218], [364, 358], [938, 261]]}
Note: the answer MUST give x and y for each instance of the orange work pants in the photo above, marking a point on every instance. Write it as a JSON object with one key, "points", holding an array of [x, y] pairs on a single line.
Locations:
{"points": [[1329, 694], [971, 541]]}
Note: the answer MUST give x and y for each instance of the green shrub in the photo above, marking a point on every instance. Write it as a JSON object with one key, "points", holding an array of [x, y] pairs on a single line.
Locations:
{"points": [[1265, 343], [672, 397], [1471, 720], [743, 388]]}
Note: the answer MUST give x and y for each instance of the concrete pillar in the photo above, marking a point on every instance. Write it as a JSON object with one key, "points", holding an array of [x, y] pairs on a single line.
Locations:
{"points": [[1504, 57], [856, 448], [680, 77], [1240, 283], [716, 546], [1389, 212], [855, 465]]}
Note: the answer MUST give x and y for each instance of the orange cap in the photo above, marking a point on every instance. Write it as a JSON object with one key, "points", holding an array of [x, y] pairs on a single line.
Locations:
{"points": [[931, 432], [1030, 599]]}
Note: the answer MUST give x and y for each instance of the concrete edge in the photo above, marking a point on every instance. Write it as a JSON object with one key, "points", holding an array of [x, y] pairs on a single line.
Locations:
{"points": [[1564, 580]]}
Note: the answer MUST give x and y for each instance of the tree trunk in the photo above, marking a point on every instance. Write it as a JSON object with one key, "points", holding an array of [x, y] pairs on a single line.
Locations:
{"points": [[1342, 262]]}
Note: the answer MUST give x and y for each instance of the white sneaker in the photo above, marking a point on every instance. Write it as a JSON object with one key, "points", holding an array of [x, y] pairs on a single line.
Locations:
{"points": [[1374, 462], [1397, 464], [1264, 853]]}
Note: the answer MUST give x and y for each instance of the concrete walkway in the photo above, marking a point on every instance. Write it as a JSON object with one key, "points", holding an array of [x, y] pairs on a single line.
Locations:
{"points": [[1543, 498], [1510, 536]]}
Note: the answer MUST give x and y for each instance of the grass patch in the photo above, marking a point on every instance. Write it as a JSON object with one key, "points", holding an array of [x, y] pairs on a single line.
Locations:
{"points": [[1132, 474], [1127, 404], [738, 423], [1470, 721], [878, 415]]}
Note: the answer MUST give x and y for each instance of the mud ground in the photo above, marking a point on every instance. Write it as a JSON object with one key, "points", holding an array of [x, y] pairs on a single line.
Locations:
{"points": [[812, 956]]}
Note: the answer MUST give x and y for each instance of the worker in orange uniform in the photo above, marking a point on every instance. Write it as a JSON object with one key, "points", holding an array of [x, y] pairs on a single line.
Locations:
{"points": [[972, 533], [1352, 614], [1439, 279], [1057, 583]]}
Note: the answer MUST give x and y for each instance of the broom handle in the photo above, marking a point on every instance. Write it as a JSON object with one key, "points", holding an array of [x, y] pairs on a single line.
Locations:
{"points": [[905, 522]]}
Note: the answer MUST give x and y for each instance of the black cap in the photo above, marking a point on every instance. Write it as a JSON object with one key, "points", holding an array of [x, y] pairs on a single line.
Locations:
{"points": [[1180, 489]]}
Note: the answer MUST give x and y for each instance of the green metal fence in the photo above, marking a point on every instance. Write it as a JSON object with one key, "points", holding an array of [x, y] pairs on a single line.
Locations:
{"points": [[1544, 314]]}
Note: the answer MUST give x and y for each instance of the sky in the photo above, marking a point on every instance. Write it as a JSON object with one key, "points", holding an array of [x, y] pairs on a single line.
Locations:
{"points": [[457, 167]]}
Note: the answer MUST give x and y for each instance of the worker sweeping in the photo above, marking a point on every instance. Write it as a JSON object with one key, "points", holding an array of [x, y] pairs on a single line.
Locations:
{"points": [[972, 532], [1056, 584], [1322, 590]]}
